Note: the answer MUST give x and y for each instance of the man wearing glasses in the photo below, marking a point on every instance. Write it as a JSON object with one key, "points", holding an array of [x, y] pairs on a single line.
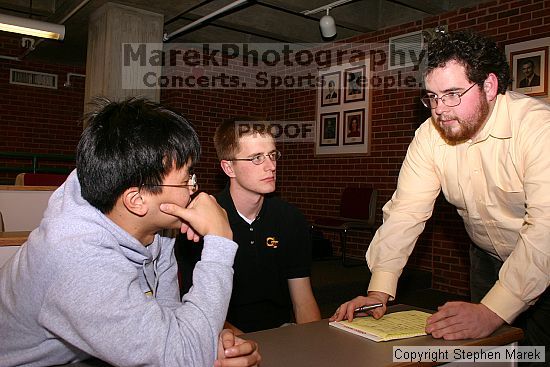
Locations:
{"points": [[487, 149], [98, 277], [272, 265]]}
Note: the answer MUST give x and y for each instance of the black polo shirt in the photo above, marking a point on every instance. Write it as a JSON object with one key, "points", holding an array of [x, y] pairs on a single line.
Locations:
{"points": [[275, 247]]}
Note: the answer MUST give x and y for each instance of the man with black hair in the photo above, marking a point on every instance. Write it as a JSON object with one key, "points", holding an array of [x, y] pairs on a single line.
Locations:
{"points": [[487, 149], [98, 277]]}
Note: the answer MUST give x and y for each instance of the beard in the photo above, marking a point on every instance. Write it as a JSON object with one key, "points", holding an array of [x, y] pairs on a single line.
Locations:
{"points": [[467, 128]]}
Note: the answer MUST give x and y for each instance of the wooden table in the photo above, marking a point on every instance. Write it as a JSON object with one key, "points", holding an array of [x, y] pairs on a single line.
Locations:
{"points": [[13, 238]]}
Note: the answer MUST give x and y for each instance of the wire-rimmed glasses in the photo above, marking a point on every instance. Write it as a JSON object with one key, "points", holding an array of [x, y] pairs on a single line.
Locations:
{"points": [[260, 158], [451, 99], [192, 184]]}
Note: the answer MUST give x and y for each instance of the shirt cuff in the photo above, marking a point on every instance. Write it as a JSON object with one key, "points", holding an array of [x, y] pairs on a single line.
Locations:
{"points": [[503, 303], [219, 249], [383, 281]]}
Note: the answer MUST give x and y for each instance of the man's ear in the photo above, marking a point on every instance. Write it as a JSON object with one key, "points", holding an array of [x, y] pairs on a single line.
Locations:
{"points": [[134, 202], [227, 167], [490, 86]]}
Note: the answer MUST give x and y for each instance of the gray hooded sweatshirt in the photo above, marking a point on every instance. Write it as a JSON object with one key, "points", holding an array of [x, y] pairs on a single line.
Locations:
{"points": [[81, 286]]}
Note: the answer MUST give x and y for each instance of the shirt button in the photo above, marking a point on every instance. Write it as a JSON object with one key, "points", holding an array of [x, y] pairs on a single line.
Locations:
{"points": [[476, 171], [252, 242], [251, 229]]}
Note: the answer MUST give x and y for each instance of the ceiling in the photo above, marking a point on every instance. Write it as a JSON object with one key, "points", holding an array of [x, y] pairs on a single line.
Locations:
{"points": [[261, 21]]}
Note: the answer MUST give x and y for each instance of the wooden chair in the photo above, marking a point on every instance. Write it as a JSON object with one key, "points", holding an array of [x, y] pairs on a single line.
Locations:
{"points": [[357, 213]]}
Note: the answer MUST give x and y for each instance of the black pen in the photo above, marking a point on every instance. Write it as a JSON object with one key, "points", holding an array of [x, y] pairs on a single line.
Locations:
{"points": [[366, 308]]}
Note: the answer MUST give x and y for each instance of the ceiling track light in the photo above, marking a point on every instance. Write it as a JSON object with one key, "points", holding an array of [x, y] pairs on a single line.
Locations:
{"points": [[32, 27], [327, 23], [328, 26]]}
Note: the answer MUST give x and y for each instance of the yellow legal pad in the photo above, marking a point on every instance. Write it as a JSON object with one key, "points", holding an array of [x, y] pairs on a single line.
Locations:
{"points": [[397, 325]]}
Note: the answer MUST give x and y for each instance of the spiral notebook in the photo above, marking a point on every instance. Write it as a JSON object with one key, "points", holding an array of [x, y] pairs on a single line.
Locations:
{"points": [[396, 325]]}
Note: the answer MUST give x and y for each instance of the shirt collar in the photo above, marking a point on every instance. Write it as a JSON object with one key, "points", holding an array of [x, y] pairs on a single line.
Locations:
{"points": [[498, 125], [225, 199]]}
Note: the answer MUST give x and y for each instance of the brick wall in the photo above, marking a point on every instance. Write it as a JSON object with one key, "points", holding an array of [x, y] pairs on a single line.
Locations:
{"points": [[37, 120], [313, 183]]}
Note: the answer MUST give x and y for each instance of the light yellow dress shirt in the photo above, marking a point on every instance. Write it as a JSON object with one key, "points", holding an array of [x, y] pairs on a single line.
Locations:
{"points": [[500, 185]]}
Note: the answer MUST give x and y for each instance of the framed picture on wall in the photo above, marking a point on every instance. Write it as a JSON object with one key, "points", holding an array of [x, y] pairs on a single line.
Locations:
{"points": [[354, 127], [530, 71], [354, 84], [329, 127], [343, 128], [331, 90]]}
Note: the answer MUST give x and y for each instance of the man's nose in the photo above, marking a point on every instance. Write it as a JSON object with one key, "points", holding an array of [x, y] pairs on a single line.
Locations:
{"points": [[439, 108], [269, 165]]}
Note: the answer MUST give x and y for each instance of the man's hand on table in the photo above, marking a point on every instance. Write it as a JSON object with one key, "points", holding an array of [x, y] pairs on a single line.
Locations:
{"points": [[463, 320], [346, 310]]}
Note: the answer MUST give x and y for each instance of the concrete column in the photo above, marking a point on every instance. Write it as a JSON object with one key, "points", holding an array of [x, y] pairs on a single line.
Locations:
{"points": [[110, 26]]}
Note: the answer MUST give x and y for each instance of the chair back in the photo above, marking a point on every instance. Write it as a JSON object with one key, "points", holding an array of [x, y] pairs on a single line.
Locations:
{"points": [[40, 179], [359, 203]]}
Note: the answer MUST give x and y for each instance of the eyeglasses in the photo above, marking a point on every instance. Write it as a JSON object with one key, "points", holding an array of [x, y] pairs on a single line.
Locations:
{"points": [[450, 99], [191, 184], [260, 158]]}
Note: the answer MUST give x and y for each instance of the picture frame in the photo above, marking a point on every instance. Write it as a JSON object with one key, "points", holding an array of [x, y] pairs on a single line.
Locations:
{"points": [[331, 89], [329, 129], [530, 71], [353, 127], [354, 84], [338, 142]]}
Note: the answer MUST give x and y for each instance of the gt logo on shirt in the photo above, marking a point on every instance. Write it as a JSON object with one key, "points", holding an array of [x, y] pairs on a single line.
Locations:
{"points": [[271, 242]]}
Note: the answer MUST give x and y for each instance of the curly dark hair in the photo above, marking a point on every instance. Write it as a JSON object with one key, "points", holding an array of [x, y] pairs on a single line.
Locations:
{"points": [[479, 55]]}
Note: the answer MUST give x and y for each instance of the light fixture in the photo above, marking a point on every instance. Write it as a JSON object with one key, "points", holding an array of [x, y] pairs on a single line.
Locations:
{"points": [[327, 25], [31, 27]]}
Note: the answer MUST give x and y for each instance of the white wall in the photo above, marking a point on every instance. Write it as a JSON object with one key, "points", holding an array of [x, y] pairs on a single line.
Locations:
{"points": [[6, 252], [22, 209]]}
